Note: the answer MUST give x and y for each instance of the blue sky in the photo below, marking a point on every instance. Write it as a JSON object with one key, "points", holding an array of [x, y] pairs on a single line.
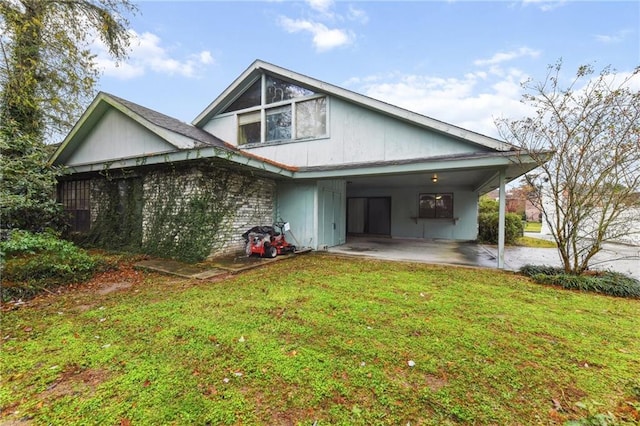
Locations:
{"points": [[457, 61]]}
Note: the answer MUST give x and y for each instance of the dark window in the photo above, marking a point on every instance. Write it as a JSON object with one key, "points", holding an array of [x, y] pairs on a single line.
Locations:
{"points": [[75, 199], [248, 99], [436, 206]]}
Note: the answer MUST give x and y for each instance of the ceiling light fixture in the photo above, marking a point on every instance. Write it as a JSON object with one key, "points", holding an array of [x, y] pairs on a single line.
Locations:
{"points": [[434, 178]]}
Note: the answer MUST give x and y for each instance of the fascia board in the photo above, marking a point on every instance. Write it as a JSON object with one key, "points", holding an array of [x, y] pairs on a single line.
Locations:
{"points": [[440, 165], [179, 156]]}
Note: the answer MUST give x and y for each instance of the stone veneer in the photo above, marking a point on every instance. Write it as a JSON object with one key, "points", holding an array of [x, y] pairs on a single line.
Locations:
{"points": [[250, 199]]}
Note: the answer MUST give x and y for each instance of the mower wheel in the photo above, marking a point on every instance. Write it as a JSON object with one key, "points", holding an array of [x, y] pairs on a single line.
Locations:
{"points": [[270, 251]]}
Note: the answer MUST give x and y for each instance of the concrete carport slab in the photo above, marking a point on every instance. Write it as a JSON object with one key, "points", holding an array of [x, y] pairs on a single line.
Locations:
{"points": [[616, 257]]}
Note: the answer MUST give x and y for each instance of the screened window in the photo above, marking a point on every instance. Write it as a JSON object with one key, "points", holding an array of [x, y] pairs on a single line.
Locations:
{"points": [[75, 199], [436, 206]]}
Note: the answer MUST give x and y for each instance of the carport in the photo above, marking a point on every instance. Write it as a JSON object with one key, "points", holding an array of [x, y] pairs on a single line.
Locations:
{"points": [[385, 199], [448, 252]]}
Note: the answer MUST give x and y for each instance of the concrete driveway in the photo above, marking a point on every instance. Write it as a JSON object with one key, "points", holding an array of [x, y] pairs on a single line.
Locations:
{"points": [[616, 257]]}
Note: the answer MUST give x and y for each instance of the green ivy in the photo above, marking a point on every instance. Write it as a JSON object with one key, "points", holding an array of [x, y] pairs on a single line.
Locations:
{"points": [[188, 228], [180, 212], [118, 206]]}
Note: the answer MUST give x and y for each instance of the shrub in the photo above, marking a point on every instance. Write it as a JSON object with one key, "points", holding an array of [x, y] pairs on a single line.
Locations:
{"points": [[488, 228], [33, 262], [607, 282]]}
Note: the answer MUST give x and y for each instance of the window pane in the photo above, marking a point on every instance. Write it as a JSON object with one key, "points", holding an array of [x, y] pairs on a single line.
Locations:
{"points": [[278, 90], [248, 99], [444, 205], [427, 205], [311, 118], [249, 128], [279, 123]]}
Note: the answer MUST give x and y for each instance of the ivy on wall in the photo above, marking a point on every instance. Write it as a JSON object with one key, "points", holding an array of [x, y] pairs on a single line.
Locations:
{"points": [[187, 208], [117, 211], [182, 212]]}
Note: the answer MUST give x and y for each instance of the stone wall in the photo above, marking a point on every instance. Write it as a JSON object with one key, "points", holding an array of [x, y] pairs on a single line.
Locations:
{"points": [[206, 204]]}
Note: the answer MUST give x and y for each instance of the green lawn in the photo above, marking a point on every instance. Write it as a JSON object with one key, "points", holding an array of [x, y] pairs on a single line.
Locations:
{"points": [[321, 339], [533, 227]]}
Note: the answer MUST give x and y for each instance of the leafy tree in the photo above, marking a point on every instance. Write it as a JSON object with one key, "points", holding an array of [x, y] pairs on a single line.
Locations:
{"points": [[588, 190], [48, 70], [46, 75], [26, 199]]}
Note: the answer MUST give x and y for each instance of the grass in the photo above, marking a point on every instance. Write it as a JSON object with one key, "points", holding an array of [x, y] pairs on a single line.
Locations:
{"points": [[533, 227], [321, 339], [535, 242]]}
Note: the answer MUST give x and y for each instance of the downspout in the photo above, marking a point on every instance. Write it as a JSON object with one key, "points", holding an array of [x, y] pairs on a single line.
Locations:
{"points": [[501, 218]]}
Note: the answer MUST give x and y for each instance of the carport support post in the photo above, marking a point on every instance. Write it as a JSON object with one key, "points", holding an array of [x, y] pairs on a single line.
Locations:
{"points": [[501, 219]]}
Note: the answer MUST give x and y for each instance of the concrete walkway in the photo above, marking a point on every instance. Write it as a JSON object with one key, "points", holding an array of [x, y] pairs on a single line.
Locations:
{"points": [[617, 257]]}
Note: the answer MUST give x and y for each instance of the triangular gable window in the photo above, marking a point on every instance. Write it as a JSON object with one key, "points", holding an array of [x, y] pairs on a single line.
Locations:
{"points": [[250, 98], [279, 90]]}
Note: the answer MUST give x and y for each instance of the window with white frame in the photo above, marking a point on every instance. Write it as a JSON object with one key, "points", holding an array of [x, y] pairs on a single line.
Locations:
{"points": [[274, 110]]}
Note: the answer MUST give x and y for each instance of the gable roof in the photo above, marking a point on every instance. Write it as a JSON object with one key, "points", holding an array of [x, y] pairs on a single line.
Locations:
{"points": [[251, 74], [183, 137], [177, 133]]}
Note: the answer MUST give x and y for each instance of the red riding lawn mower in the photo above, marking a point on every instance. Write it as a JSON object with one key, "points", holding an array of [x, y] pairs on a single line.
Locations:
{"points": [[265, 241]]}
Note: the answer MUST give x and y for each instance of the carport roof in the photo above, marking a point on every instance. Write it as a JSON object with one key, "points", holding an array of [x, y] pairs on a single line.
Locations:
{"points": [[477, 171]]}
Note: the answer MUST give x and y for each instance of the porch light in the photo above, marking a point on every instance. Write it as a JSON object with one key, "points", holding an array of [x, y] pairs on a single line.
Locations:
{"points": [[434, 178]]}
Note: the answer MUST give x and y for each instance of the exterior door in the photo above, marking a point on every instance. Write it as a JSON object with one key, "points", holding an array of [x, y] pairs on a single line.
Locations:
{"points": [[369, 215], [330, 217]]}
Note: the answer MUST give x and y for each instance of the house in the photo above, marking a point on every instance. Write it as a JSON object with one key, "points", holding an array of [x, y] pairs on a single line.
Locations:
{"points": [[276, 144]]}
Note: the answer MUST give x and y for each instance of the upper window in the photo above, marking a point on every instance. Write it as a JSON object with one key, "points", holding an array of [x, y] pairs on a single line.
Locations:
{"points": [[251, 98], [276, 110], [436, 206], [279, 123], [279, 90], [311, 118], [249, 128]]}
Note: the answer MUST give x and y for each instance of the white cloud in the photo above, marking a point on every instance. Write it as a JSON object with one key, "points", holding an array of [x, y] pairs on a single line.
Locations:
{"points": [[545, 5], [501, 57], [147, 53], [357, 15], [473, 101], [617, 37], [324, 17], [324, 38], [320, 5]]}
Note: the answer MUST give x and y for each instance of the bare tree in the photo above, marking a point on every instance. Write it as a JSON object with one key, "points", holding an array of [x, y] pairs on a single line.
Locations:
{"points": [[589, 190]]}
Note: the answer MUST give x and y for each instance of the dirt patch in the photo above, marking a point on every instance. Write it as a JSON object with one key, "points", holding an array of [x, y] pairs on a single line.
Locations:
{"points": [[75, 381], [435, 383], [107, 288]]}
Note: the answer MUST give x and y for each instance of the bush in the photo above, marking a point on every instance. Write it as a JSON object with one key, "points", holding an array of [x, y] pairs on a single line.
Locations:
{"points": [[488, 228], [608, 282], [33, 262]]}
